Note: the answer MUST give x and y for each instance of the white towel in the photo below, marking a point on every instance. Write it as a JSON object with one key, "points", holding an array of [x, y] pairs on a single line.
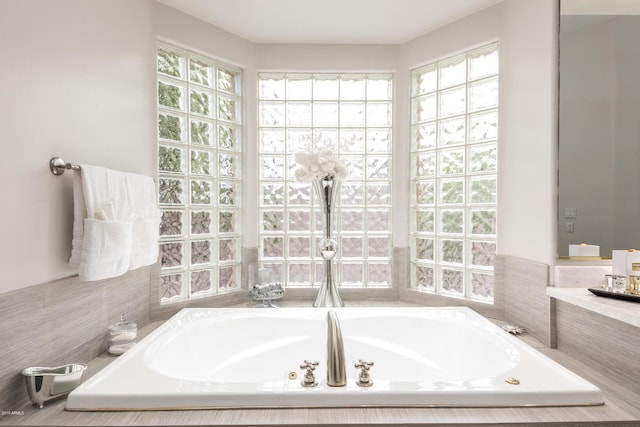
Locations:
{"points": [[146, 221], [79, 214], [116, 222]]}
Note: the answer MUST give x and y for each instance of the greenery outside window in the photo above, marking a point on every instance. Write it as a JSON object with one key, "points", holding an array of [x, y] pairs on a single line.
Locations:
{"points": [[199, 174]]}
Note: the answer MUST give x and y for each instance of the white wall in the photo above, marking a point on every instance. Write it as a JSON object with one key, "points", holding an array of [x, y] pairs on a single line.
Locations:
{"points": [[80, 83], [528, 130], [76, 81], [527, 33]]}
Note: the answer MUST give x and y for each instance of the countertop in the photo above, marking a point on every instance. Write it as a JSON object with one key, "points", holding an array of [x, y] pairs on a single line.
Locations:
{"points": [[624, 311]]}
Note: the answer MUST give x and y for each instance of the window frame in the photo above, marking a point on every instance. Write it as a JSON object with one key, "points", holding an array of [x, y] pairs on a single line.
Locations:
{"points": [[202, 238], [429, 266], [281, 265]]}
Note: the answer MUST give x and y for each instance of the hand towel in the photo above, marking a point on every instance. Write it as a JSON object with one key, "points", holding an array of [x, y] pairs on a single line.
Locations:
{"points": [[146, 221], [106, 249], [116, 222], [79, 214]]}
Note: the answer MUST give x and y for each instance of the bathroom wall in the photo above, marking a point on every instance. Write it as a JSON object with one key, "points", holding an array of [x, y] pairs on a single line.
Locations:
{"points": [[527, 123], [77, 82], [520, 295], [528, 69], [94, 101], [63, 321], [527, 188], [528, 131]]}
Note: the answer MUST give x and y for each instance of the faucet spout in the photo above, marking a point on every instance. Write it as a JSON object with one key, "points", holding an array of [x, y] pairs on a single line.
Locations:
{"points": [[336, 368]]}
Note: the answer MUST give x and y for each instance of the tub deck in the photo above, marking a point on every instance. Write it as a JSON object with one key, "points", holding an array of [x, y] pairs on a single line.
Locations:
{"points": [[620, 408], [245, 358]]}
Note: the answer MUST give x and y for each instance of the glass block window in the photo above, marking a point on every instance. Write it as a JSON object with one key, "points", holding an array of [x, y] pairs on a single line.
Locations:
{"points": [[454, 146], [350, 114], [199, 174]]}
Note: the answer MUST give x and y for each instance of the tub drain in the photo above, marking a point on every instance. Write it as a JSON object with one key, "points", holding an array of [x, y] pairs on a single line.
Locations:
{"points": [[512, 381]]}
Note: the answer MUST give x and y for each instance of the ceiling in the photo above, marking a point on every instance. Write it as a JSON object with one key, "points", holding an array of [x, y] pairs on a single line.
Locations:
{"points": [[329, 21]]}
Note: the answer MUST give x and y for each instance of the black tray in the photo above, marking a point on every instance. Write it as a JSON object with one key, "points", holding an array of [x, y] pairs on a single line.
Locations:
{"points": [[602, 293]]}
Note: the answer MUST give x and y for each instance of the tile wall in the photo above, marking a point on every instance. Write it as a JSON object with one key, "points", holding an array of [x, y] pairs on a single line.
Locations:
{"points": [[64, 321]]}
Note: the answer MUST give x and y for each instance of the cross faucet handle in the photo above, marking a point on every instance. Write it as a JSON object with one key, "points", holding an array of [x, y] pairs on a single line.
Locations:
{"points": [[309, 379], [309, 365], [364, 379], [362, 364]]}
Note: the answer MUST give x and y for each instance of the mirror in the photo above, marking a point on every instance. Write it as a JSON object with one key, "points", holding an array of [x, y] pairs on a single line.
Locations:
{"points": [[599, 128]]}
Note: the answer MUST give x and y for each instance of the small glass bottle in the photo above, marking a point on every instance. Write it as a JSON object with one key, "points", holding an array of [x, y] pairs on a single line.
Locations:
{"points": [[122, 336], [633, 283]]}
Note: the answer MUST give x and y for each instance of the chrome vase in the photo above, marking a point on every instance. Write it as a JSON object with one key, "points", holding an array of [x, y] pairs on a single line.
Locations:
{"points": [[327, 190]]}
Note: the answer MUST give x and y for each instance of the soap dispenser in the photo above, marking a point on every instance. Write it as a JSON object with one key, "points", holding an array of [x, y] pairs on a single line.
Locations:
{"points": [[122, 336]]}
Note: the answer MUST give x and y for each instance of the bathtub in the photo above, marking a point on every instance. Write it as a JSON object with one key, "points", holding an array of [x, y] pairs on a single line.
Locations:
{"points": [[248, 358]]}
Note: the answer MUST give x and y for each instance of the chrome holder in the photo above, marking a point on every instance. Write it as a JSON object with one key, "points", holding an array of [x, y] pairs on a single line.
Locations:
{"points": [[44, 384], [57, 166], [514, 330], [266, 293]]}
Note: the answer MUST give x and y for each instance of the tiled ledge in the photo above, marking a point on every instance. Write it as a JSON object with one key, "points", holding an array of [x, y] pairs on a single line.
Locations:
{"points": [[624, 311]]}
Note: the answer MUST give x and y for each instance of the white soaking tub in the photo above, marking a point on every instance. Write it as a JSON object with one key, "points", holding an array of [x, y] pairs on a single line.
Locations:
{"points": [[241, 358]]}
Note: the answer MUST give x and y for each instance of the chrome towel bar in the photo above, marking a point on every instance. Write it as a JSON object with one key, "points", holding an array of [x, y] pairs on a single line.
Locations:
{"points": [[58, 166]]}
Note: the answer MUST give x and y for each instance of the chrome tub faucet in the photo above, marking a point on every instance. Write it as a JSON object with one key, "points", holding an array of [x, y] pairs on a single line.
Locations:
{"points": [[336, 368]]}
